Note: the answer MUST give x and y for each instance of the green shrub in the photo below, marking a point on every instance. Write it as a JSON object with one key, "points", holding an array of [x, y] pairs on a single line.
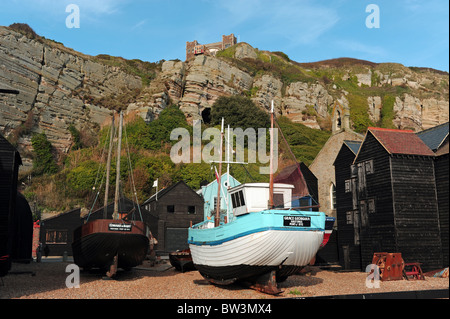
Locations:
{"points": [[154, 135], [387, 111], [359, 113], [83, 177], [239, 112], [43, 162], [75, 137]]}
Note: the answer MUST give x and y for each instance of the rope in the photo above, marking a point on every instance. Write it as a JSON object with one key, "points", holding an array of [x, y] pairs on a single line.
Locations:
{"points": [[293, 155], [98, 172], [132, 177]]}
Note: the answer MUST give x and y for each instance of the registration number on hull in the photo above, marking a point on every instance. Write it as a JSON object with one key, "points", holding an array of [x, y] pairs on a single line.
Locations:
{"points": [[297, 221], [119, 227]]}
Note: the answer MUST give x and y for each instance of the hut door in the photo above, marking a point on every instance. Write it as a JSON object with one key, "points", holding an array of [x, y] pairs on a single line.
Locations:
{"points": [[361, 181]]}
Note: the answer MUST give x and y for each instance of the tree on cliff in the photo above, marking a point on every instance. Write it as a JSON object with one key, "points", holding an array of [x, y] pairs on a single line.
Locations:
{"points": [[239, 111], [43, 162]]}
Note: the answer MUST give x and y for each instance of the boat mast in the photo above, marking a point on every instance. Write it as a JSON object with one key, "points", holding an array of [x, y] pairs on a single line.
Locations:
{"points": [[217, 217], [271, 160], [108, 169], [228, 173], [116, 196]]}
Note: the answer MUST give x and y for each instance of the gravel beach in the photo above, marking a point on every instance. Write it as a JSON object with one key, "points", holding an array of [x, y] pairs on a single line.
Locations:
{"points": [[47, 280]]}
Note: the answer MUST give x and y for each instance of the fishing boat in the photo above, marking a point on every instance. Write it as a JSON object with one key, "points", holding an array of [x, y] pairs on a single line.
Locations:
{"points": [[262, 241], [111, 243], [329, 223]]}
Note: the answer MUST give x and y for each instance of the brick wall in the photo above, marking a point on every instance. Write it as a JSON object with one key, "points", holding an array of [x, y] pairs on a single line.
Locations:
{"points": [[190, 49], [227, 41]]}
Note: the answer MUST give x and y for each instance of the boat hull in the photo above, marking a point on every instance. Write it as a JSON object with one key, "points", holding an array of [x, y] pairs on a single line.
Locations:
{"points": [[256, 245], [182, 260], [97, 243]]}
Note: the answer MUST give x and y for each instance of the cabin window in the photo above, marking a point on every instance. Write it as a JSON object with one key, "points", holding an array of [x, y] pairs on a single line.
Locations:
{"points": [[305, 202], [56, 237], [241, 198], [191, 209], [278, 200], [233, 200], [238, 199], [171, 208]]}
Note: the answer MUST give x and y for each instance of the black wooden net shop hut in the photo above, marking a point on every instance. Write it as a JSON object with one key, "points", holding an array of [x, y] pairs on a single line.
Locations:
{"points": [[392, 188], [16, 224], [437, 139], [349, 248]]}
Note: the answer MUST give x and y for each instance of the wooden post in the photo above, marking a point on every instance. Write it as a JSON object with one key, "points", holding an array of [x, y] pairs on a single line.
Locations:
{"points": [[217, 217], [271, 160], [119, 142], [108, 169]]}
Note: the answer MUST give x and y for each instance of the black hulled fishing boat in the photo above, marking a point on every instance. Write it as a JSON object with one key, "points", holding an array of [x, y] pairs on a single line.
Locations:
{"points": [[111, 243]]}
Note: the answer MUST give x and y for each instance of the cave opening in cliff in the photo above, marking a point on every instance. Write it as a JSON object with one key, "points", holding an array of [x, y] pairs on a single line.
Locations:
{"points": [[206, 115]]}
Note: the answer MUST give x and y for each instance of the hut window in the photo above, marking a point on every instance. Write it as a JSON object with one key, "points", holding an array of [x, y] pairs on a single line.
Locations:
{"points": [[171, 208], [369, 167], [191, 209], [349, 218], [353, 170], [371, 205], [56, 237], [348, 186]]}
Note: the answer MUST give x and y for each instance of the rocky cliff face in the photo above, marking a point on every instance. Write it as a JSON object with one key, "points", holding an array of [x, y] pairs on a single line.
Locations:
{"points": [[59, 87], [421, 96], [52, 82]]}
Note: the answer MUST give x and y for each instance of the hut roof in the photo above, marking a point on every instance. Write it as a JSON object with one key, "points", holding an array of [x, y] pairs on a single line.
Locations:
{"points": [[400, 141]]}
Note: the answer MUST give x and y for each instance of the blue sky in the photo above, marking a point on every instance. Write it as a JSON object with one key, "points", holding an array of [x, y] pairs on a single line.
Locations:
{"points": [[411, 32]]}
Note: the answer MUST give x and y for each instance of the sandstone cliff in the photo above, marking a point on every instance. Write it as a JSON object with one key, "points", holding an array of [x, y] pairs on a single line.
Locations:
{"points": [[52, 81], [413, 98], [61, 87]]}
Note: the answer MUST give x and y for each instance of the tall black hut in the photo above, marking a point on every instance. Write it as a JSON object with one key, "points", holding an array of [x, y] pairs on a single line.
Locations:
{"points": [[394, 207], [437, 139], [348, 234]]}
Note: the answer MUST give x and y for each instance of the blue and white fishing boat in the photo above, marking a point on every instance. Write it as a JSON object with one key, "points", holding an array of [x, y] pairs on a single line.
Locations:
{"points": [[263, 241]]}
